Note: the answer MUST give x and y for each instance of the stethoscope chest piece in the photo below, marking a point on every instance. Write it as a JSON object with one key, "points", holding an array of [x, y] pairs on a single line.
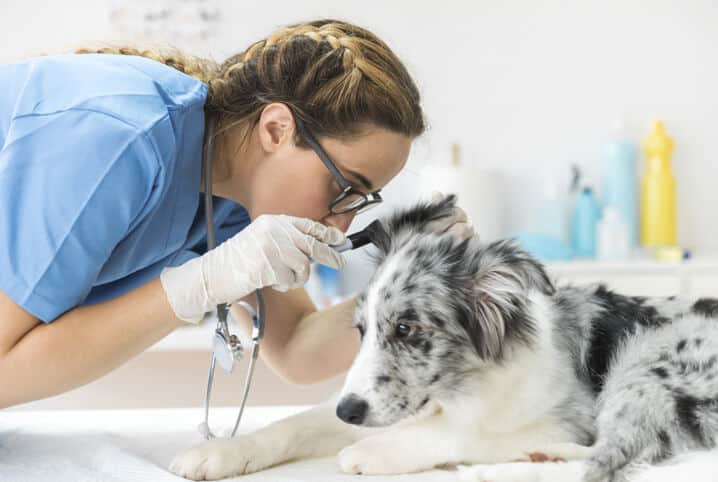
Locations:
{"points": [[227, 352]]}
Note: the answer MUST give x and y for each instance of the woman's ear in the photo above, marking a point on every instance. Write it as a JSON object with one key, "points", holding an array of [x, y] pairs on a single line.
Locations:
{"points": [[275, 127]]}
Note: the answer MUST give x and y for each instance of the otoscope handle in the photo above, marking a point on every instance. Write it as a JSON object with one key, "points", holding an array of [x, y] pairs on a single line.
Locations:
{"points": [[358, 239]]}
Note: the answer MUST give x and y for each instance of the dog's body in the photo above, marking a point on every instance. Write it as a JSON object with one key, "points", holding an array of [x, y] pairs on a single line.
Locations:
{"points": [[471, 355]]}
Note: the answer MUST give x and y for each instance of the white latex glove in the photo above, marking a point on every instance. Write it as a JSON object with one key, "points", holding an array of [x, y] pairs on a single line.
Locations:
{"points": [[458, 223], [274, 250]]}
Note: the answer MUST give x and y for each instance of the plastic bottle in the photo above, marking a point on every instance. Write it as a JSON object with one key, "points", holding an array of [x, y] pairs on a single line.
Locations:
{"points": [[613, 241], [585, 218], [479, 190], [620, 180], [658, 190]]}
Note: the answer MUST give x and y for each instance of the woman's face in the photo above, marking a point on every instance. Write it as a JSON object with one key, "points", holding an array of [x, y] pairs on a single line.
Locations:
{"points": [[287, 179]]}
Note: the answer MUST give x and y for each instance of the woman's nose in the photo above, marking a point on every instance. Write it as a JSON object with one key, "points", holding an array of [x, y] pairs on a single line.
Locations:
{"points": [[341, 221]]}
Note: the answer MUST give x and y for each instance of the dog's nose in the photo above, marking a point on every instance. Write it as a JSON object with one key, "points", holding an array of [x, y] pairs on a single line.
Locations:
{"points": [[352, 409]]}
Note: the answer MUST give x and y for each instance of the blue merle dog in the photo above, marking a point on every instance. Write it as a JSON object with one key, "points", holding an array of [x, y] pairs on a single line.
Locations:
{"points": [[471, 354]]}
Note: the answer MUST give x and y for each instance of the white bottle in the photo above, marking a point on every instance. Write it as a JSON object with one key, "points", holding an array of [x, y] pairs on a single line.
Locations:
{"points": [[613, 236], [479, 191]]}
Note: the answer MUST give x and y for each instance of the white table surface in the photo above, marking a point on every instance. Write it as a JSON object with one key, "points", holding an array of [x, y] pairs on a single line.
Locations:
{"points": [[138, 445]]}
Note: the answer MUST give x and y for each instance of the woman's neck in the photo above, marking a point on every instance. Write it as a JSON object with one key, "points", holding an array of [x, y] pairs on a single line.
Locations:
{"points": [[231, 178]]}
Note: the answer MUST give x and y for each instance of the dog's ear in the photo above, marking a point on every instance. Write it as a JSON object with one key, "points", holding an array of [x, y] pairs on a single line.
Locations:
{"points": [[504, 259], [423, 217], [380, 237], [504, 275]]}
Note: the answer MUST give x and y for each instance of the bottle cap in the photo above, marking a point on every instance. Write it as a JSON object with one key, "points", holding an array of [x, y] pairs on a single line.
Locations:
{"points": [[658, 143]]}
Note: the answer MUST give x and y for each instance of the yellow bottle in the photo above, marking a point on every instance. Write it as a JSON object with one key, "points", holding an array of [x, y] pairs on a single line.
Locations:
{"points": [[658, 190]]}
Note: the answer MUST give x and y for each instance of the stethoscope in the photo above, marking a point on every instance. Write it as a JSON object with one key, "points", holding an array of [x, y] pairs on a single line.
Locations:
{"points": [[227, 349]]}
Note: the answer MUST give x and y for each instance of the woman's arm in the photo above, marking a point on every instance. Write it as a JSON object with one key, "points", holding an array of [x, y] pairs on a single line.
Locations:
{"points": [[301, 344], [324, 343], [39, 360]]}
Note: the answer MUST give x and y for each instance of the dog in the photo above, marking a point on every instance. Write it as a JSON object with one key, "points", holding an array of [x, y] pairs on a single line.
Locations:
{"points": [[473, 356]]}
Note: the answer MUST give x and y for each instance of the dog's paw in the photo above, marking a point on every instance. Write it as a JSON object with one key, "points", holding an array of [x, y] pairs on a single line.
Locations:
{"points": [[220, 458], [367, 457]]}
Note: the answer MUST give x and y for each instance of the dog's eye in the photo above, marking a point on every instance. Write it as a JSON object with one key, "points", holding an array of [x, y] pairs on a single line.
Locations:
{"points": [[361, 330], [402, 330]]}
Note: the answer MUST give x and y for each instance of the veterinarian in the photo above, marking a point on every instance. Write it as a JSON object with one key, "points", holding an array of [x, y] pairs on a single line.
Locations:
{"points": [[102, 234]]}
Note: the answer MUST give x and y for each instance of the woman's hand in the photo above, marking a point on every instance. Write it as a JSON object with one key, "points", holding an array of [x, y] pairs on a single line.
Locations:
{"points": [[457, 223], [274, 250]]}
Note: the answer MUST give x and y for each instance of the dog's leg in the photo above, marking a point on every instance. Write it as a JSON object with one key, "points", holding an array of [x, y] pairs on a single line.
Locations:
{"points": [[398, 451], [412, 447], [314, 433], [434, 441]]}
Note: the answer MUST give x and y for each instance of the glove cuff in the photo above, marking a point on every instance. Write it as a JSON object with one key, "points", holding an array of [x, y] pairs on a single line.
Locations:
{"points": [[185, 291]]}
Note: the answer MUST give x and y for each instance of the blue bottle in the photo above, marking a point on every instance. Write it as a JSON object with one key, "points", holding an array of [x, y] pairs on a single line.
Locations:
{"points": [[585, 219], [620, 181]]}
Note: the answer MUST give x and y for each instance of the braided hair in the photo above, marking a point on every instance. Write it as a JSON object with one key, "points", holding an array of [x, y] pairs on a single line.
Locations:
{"points": [[337, 77]]}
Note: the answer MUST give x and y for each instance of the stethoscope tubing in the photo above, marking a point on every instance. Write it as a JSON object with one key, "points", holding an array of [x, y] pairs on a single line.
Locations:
{"points": [[223, 308]]}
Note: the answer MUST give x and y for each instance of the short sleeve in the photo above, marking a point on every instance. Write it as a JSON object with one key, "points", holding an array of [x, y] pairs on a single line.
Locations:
{"points": [[72, 185]]}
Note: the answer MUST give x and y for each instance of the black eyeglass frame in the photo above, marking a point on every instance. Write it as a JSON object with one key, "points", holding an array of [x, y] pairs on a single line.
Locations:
{"points": [[368, 200]]}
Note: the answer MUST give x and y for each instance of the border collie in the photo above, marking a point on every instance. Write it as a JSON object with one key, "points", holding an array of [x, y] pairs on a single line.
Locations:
{"points": [[472, 355]]}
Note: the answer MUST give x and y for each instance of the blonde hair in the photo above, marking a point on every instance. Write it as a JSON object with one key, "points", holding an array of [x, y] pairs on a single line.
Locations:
{"points": [[334, 75]]}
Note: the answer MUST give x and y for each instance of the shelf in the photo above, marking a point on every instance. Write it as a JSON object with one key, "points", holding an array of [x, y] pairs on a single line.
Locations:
{"points": [[638, 265], [693, 278]]}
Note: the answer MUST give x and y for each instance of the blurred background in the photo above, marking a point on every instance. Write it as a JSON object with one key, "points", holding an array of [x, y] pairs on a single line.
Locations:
{"points": [[586, 130]]}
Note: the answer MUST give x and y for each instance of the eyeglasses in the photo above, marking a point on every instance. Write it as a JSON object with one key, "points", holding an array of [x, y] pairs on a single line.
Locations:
{"points": [[350, 199]]}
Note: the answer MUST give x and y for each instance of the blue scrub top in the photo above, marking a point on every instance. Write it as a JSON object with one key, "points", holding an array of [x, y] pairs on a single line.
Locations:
{"points": [[100, 163]]}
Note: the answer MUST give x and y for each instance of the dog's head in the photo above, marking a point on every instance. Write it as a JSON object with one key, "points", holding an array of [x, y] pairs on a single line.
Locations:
{"points": [[437, 311]]}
